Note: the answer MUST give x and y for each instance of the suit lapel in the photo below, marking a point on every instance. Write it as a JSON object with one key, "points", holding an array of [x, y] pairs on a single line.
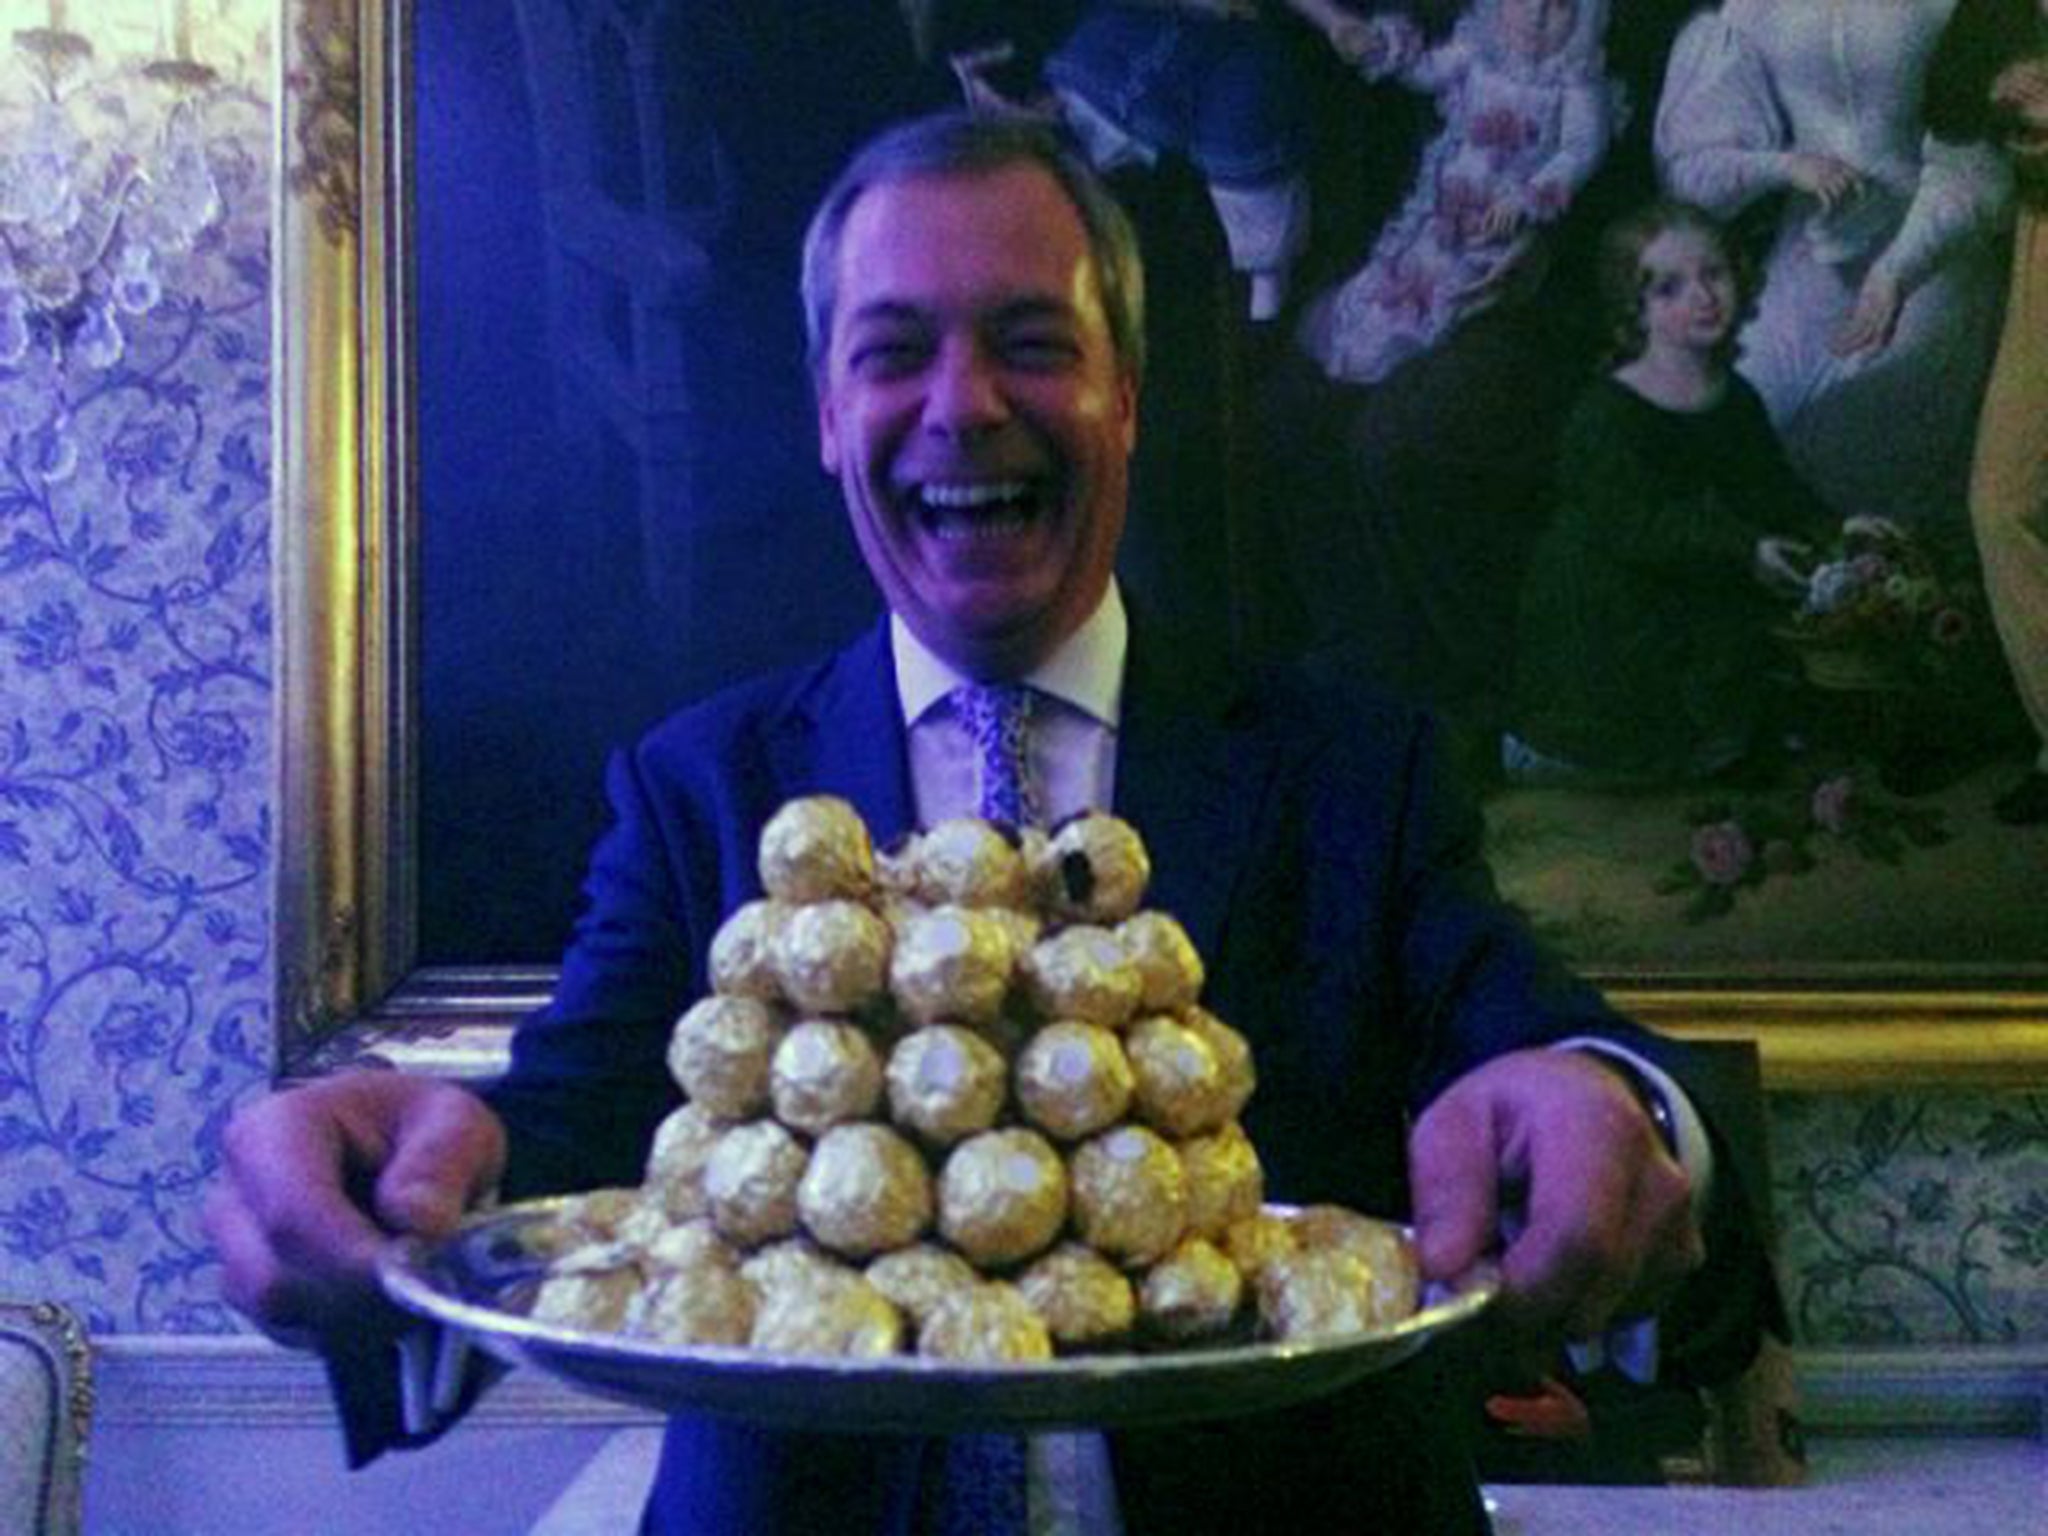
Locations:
{"points": [[843, 735], [1190, 777]]}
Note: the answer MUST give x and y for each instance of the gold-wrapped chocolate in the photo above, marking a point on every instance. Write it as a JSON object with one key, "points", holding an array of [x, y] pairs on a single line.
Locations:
{"points": [[704, 1303], [1081, 973], [588, 1288], [832, 957], [988, 1323], [1253, 1242], [919, 1277], [816, 849], [1308, 1295], [742, 958], [790, 1261], [1177, 1083], [719, 1052], [1072, 1080], [1193, 1293], [825, 1072], [1225, 1182], [1129, 1194], [971, 862], [675, 1163], [1094, 869], [1233, 1055], [946, 1083], [751, 1180], [951, 962], [866, 1191], [1169, 969], [1086, 1301], [1385, 1248], [827, 1312], [685, 1245], [1002, 1196]]}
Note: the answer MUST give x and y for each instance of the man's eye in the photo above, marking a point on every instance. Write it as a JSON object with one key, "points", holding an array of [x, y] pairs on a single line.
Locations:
{"points": [[885, 356], [1040, 351]]}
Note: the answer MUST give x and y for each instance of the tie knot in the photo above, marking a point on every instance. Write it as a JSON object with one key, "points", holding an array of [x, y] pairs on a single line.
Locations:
{"points": [[997, 717]]}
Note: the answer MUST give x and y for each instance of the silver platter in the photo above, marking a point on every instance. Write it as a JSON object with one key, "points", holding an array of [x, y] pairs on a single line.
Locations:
{"points": [[473, 1282]]}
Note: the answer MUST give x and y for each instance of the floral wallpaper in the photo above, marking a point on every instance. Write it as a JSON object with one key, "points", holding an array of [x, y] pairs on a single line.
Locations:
{"points": [[135, 697]]}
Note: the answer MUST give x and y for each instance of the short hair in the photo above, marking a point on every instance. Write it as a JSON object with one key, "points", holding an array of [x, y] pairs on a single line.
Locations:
{"points": [[958, 143], [1621, 272]]}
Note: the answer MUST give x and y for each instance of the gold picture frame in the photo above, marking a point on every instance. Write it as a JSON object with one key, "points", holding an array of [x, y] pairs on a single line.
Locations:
{"points": [[349, 981]]}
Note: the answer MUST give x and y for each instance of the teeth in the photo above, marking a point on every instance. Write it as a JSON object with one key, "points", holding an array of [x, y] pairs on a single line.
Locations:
{"points": [[975, 494]]}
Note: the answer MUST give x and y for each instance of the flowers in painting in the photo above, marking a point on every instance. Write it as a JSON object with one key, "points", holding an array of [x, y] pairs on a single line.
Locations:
{"points": [[1882, 595]]}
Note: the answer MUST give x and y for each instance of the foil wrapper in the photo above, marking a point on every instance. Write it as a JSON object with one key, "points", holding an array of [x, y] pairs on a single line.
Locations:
{"points": [[946, 1083], [742, 956], [1094, 869], [1086, 1301], [588, 1289], [1320, 1294], [674, 1175], [1178, 1084], [788, 1262], [1073, 1080], [1255, 1241], [1170, 971], [866, 1191], [832, 957], [1082, 973], [1233, 1055], [816, 849], [951, 962], [1130, 1195], [1226, 1185], [1385, 1248], [919, 1277], [971, 862], [990, 1322], [704, 1303], [1193, 1293], [827, 1312], [825, 1072], [719, 1052], [751, 1180], [1003, 1196]]}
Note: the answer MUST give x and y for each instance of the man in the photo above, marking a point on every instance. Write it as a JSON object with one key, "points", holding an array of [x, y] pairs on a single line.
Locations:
{"points": [[975, 313]]}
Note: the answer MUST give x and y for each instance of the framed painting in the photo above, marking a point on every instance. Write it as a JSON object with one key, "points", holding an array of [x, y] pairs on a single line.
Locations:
{"points": [[549, 472]]}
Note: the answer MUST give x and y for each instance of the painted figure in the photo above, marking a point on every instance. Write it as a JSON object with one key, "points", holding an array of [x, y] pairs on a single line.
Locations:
{"points": [[1989, 85], [1528, 111], [1646, 650], [1208, 79], [1879, 311]]}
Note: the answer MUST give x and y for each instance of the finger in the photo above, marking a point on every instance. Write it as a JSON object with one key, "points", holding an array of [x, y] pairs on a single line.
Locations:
{"points": [[448, 1153], [1452, 1168], [289, 1161], [289, 1308]]}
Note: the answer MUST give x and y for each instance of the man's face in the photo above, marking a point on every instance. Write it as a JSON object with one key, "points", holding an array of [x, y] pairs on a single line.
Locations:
{"points": [[976, 414]]}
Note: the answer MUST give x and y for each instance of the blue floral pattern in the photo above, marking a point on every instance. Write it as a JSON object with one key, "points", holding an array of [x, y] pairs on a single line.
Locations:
{"points": [[135, 822]]}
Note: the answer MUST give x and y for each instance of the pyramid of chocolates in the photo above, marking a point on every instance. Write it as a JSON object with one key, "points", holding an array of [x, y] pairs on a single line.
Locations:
{"points": [[959, 1098]]}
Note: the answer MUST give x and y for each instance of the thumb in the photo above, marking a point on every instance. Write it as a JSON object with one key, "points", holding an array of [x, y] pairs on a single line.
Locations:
{"points": [[1452, 1177], [447, 1152]]}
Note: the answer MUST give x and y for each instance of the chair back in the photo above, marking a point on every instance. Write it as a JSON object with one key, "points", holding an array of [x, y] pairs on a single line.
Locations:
{"points": [[45, 1410]]}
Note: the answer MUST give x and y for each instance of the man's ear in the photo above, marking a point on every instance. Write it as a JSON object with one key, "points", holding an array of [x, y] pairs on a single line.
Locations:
{"points": [[828, 435], [1127, 408]]}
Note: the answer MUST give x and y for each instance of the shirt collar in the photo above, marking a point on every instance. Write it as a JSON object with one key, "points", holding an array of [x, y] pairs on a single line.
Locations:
{"points": [[1085, 672]]}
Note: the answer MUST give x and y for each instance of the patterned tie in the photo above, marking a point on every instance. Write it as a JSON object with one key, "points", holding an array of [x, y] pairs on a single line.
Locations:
{"points": [[997, 717]]}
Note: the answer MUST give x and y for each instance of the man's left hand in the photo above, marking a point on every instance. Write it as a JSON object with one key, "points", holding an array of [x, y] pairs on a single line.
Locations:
{"points": [[1547, 1157]]}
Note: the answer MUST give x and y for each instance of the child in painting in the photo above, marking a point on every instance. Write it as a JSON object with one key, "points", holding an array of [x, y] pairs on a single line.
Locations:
{"points": [[1207, 79], [1528, 110], [1645, 652]]}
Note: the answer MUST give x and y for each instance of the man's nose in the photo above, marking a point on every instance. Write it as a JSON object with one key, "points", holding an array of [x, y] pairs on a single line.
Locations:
{"points": [[964, 393]]}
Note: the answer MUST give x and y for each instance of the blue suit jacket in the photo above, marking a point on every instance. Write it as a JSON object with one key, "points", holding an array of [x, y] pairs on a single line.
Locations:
{"points": [[1300, 830]]}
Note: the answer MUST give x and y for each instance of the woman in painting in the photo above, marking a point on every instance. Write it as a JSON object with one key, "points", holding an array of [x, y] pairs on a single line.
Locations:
{"points": [[1989, 84], [1646, 653], [1874, 331], [1527, 109]]}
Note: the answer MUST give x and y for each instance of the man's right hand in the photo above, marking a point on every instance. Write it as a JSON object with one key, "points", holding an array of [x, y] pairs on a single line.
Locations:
{"points": [[317, 1180]]}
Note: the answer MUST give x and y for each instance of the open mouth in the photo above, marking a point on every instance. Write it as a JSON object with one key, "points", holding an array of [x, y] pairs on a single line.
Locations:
{"points": [[976, 509]]}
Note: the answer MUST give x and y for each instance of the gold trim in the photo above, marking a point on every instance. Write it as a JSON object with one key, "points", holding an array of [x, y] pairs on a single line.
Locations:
{"points": [[348, 987]]}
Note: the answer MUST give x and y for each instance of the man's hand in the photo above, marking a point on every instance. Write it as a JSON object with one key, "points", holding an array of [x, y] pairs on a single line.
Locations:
{"points": [[316, 1180], [1606, 1227]]}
